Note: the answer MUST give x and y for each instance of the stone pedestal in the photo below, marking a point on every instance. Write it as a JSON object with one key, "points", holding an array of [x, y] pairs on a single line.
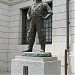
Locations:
{"points": [[25, 65]]}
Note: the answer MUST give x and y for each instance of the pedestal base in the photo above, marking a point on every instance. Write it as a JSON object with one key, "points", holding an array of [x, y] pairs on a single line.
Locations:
{"points": [[23, 65], [37, 54]]}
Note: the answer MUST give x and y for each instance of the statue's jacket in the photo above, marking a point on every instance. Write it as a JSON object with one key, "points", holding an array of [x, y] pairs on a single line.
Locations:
{"points": [[39, 10]]}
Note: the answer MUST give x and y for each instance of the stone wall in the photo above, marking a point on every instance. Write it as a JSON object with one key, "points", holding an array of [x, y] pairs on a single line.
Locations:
{"points": [[72, 37], [11, 31], [4, 34], [5, 1], [59, 30]]}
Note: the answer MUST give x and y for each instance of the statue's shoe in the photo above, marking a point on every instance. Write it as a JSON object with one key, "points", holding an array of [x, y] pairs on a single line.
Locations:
{"points": [[42, 50], [27, 51]]}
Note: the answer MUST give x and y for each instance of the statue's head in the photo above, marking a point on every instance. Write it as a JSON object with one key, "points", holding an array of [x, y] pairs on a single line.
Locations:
{"points": [[37, 0]]}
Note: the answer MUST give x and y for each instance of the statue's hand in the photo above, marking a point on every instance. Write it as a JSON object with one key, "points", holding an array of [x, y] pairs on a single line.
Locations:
{"points": [[48, 15], [28, 17], [28, 33]]}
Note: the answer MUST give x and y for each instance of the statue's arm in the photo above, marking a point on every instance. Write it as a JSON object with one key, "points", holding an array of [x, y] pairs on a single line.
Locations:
{"points": [[28, 13], [48, 10], [29, 18]]}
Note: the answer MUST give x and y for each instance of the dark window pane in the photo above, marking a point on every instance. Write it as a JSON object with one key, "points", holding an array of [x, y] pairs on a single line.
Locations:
{"points": [[25, 25]]}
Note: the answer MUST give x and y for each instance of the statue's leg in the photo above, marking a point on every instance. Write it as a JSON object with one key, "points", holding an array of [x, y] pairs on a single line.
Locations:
{"points": [[31, 36], [41, 34]]}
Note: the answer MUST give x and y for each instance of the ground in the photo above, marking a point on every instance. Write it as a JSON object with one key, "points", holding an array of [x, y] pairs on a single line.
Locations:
{"points": [[5, 73]]}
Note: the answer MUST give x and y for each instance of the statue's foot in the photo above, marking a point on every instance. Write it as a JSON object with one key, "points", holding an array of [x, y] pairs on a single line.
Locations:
{"points": [[42, 50], [27, 51]]}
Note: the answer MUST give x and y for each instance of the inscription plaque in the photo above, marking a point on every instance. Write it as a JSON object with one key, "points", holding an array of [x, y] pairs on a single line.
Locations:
{"points": [[25, 70]]}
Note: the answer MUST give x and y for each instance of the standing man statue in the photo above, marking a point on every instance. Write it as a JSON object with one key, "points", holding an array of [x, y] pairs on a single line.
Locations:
{"points": [[36, 15]]}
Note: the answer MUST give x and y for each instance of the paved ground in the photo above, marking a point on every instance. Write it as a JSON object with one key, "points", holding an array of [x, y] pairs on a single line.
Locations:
{"points": [[5, 73]]}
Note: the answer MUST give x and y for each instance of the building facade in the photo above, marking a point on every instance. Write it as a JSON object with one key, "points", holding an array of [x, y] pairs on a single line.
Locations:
{"points": [[11, 26]]}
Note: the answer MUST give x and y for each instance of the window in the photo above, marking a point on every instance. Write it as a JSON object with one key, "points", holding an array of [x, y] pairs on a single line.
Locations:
{"points": [[25, 27]]}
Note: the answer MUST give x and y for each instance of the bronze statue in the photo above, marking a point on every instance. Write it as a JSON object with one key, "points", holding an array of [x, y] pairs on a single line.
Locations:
{"points": [[36, 15]]}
